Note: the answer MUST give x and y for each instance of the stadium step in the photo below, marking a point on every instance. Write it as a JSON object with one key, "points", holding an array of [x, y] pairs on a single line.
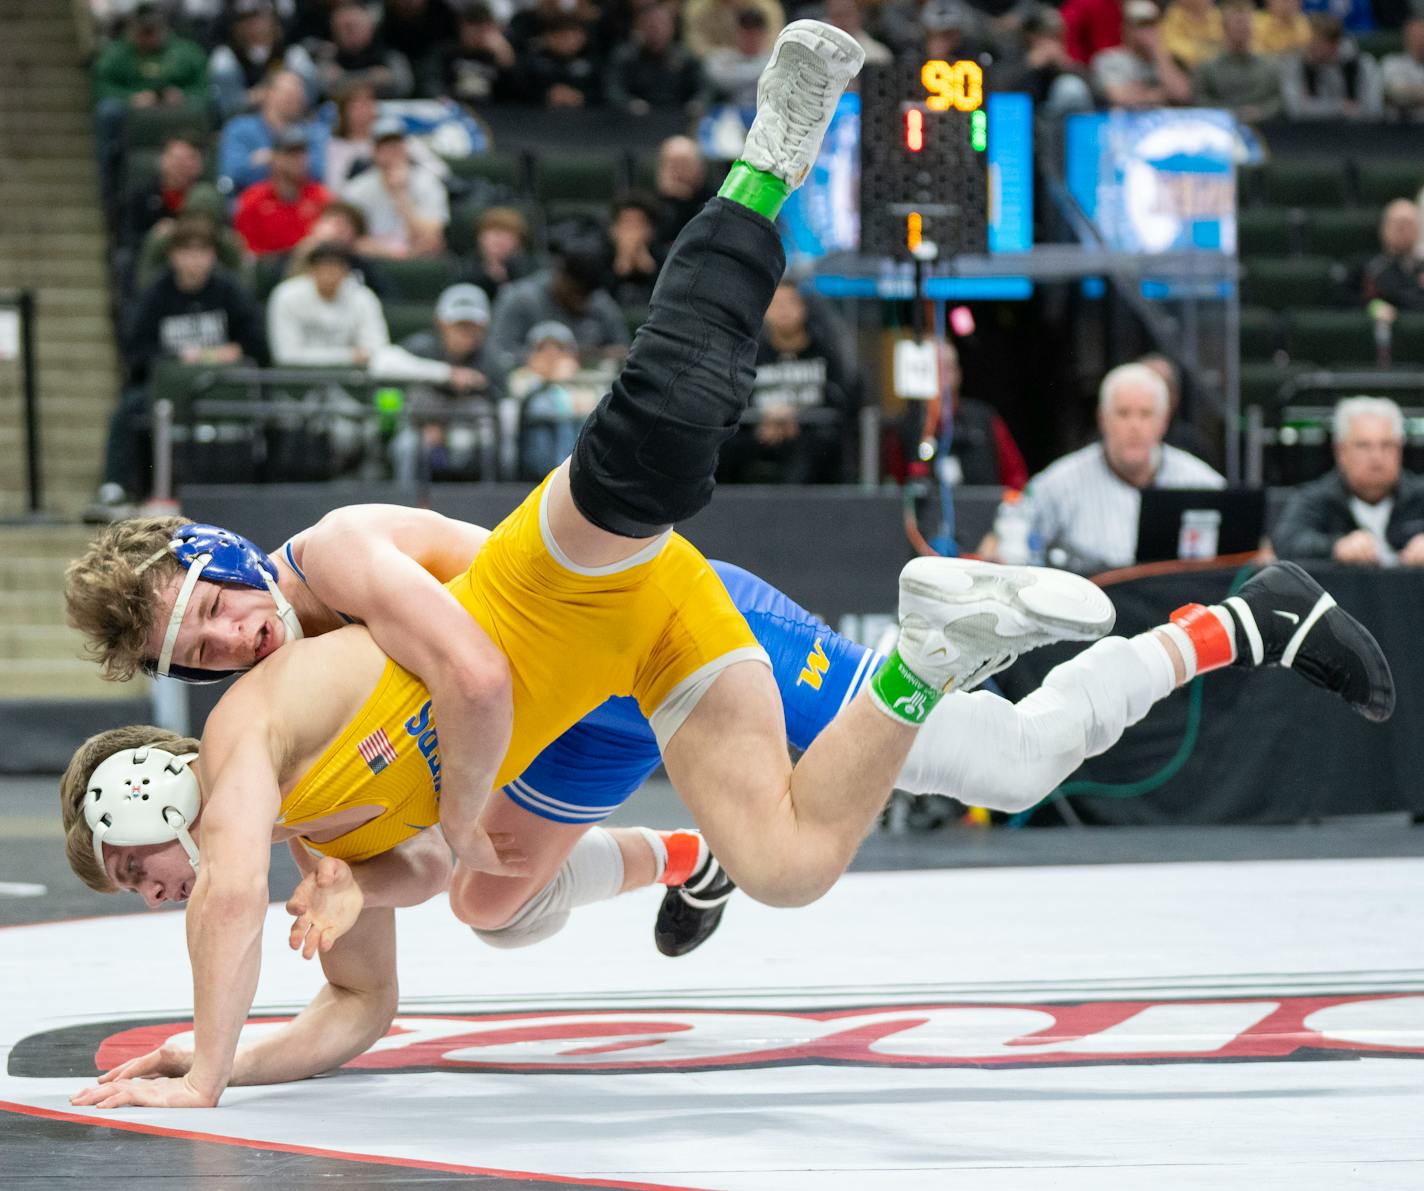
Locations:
{"points": [[61, 678]]}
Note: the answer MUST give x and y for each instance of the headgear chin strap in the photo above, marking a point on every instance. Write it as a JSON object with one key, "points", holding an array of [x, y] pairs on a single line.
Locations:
{"points": [[143, 796], [220, 556]]}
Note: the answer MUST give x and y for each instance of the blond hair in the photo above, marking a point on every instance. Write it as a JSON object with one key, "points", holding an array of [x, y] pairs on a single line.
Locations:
{"points": [[74, 785], [111, 591]]}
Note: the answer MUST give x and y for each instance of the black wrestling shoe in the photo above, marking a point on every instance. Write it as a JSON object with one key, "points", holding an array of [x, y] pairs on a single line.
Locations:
{"points": [[692, 911], [1285, 618]]}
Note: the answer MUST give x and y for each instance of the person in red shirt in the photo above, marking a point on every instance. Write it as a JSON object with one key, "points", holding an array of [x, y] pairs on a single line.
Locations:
{"points": [[276, 215], [1090, 26]]}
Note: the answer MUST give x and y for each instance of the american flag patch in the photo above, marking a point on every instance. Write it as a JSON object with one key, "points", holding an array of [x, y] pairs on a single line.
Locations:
{"points": [[377, 751]]}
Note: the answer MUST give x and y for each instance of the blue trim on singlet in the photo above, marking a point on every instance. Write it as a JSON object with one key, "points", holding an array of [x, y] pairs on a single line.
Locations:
{"points": [[292, 562], [598, 763]]}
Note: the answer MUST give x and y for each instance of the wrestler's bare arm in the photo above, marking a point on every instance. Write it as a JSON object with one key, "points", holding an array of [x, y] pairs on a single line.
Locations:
{"points": [[381, 564], [353, 1008]]}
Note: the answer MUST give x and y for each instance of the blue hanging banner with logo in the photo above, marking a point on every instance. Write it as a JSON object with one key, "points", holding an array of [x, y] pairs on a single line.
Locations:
{"points": [[1160, 181]]}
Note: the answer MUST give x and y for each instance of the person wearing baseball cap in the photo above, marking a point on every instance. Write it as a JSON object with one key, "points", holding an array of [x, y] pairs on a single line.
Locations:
{"points": [[462, 318], [1140, 73], [276, 215], [405, 204]]}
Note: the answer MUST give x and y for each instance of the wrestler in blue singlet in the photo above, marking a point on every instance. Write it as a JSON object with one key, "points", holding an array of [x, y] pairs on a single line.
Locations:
{"points": [[598, 763]]}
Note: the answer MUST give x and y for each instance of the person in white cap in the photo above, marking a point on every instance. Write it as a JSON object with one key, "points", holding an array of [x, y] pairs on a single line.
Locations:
{"points": [[405, 204], [1140, 73]]}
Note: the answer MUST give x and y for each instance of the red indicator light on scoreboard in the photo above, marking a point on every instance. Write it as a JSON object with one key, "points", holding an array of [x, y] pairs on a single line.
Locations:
{"points": [[914, 129]]}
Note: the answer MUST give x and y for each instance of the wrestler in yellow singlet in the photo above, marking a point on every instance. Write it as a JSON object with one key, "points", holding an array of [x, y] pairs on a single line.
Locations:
{"points": [[658, 626]]}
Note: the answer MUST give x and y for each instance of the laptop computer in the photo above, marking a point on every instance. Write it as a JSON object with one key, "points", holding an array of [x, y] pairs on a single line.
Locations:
{"points": [[1199, 522]]}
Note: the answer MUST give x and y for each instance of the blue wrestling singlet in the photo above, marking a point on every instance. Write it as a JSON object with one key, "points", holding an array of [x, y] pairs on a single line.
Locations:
{"points": [[594, 767]]}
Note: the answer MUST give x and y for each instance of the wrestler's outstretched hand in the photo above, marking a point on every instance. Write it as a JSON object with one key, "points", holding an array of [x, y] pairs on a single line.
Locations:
{"points": [[325, 905], [169, 1060], [145, 1093]]}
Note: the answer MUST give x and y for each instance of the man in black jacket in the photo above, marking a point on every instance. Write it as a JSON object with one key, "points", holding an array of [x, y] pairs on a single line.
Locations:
{"points": [[1368, 511], [194, 313]]}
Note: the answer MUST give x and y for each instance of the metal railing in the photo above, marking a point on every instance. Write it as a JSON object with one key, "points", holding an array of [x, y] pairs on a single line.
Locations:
{"points": [[1310, 424], [18, 307], [305, 397]]}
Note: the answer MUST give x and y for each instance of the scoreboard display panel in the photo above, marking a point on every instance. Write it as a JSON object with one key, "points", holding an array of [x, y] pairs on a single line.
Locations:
{"points": [[924, 139]]}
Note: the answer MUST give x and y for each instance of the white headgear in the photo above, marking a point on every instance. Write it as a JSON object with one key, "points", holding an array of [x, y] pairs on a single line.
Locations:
{"points": [[143, 796]]}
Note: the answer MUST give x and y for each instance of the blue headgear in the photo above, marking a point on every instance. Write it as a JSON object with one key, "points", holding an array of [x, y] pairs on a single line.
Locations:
{"points": [[220, 556]]}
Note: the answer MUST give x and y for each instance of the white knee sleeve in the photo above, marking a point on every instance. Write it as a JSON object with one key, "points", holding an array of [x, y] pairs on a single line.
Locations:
{"points": [[593, 872], [986, 751]]}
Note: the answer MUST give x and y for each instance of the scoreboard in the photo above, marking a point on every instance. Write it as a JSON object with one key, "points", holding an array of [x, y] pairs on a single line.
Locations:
{"points": [[924, 140]]}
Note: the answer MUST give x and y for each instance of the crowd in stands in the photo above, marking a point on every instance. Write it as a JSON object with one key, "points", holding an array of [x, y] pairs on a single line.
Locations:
{"points": [[304, 165]]}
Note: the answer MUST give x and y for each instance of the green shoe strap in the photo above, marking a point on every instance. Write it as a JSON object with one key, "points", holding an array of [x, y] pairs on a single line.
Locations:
{"points": [[764, 193], [901, 693]]}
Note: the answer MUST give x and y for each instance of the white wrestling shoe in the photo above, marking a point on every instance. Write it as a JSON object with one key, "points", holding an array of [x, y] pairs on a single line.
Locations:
{"points": [[961, 621], [811, 64]]}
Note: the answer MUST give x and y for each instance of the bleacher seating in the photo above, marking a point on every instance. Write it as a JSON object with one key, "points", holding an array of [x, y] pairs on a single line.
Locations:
{"points": [[1307, 225]]}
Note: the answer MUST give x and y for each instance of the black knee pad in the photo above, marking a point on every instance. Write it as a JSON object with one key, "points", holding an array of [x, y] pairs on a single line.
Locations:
{"points": [[646, 456]]}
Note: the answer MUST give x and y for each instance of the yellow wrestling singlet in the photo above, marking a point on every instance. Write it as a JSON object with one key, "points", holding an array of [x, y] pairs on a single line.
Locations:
{"points": [[650, 626]]}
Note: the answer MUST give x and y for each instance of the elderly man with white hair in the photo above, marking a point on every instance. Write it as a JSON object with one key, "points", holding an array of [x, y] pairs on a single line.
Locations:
{"points": [[1368, 511], [1083, 508]]}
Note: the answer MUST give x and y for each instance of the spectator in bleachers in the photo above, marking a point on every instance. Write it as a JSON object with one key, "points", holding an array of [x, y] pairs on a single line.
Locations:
{"points": [[569, 293], [561, 68], [342, 224], [1181, 433], [681, 185], [276, 215], [311, 23], [1084, 507], [241, 68], [651, 71], [848, 16], [548, 397], [1245, 82], [1403, 73], [161, 198], [1331, 79], [709, 25], [982, 448], [457, 341], [1368, 511], [206, 209], [633, 270], [357, 52], [1281, 28], [799, 370], [350, 149], [1047, 72], [1090, 27], [245, 147], [732, 71], [501, 249], [150, 66], [1192, 33], [462, 319], [405, 204], [416, 29], [949, 31], [1140, 73], [325, 316], [1396, 276], [476, 66], [194, 313]]}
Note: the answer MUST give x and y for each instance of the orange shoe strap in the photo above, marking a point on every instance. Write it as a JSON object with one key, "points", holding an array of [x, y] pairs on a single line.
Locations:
{"points": [[1207, 635], [683, 850]]}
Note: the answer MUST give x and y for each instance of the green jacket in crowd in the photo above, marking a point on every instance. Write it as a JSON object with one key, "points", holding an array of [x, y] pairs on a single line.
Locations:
{"points": [[121, 71]]}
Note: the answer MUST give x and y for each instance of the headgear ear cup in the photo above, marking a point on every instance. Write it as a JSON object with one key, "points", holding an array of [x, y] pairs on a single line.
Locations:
{"points": [[143, 796]]}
